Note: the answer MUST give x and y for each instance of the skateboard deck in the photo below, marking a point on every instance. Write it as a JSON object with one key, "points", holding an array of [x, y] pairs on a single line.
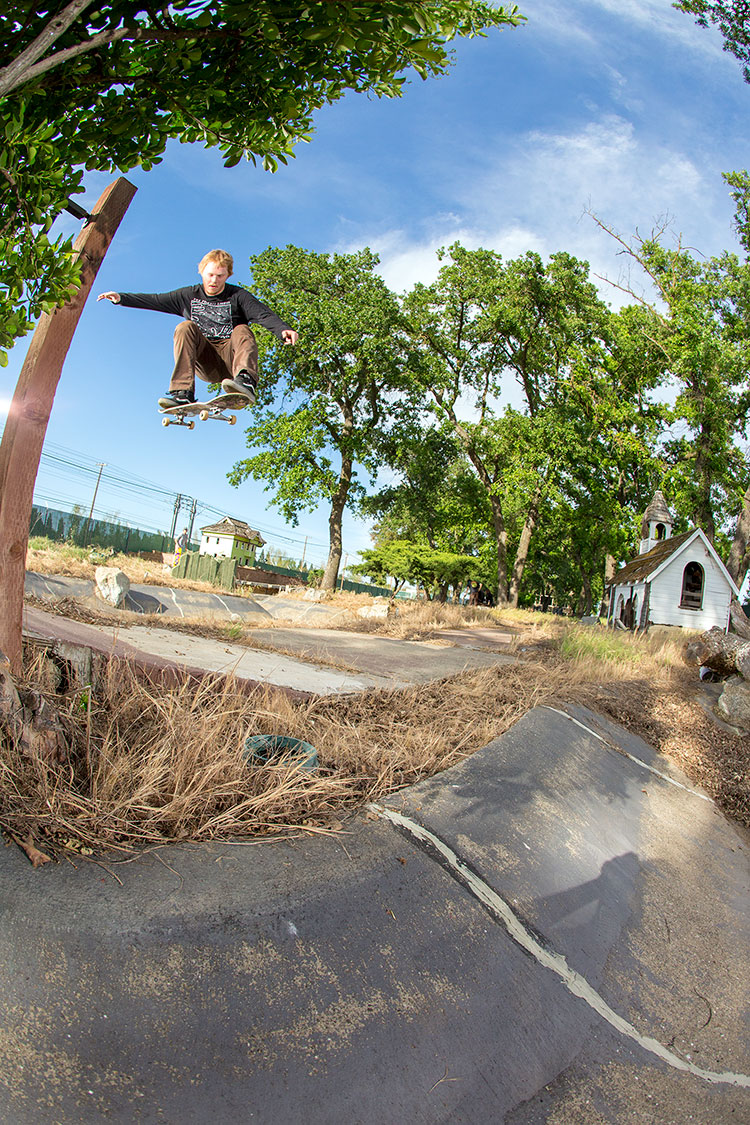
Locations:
{"points": [[219, 408]]}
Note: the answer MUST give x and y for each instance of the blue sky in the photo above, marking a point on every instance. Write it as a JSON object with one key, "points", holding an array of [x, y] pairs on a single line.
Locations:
{"points": [[621, 106]]}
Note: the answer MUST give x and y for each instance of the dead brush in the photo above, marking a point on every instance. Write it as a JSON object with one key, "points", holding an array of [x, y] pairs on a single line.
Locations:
{"points": [[154, 764]]}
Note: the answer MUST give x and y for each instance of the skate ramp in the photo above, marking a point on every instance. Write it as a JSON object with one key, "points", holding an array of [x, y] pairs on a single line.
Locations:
{"points": [[555, 930]]}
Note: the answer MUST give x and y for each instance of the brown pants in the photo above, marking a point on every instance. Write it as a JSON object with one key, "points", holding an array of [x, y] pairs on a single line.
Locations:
{"points": [[211, 360]]}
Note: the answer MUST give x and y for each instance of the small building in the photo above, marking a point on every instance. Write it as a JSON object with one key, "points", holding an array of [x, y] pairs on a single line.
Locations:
{"points": [[675, 580], [231, 539]]}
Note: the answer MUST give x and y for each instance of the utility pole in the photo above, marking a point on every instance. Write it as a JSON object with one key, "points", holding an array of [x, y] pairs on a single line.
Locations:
{"points": [[91, 513], [193, 510], [177, 506], [28, 416], [346, 558], [302, 560]]}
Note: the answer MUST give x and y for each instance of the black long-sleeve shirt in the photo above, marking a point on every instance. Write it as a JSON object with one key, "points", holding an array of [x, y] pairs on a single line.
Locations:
{"points": [[215, 316]]}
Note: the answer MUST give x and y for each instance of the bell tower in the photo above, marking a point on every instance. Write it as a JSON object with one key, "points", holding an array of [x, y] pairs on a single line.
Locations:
{"points": [[656, 524]]}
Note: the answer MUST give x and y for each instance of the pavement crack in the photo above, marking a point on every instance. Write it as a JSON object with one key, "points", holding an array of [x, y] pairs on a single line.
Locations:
{"points": [[540, 949]]}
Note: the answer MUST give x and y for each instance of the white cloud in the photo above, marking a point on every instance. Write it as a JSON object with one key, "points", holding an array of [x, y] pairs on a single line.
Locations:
{"points": [[534, 194], [657, 17]]}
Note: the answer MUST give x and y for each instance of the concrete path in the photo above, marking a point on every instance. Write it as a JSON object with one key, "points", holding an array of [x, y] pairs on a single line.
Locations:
{"points": [[402, 662], [163, 651], [549, 932], [302, 665]]}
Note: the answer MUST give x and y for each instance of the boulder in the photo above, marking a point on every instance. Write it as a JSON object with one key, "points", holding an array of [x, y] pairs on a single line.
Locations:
{"points": [[380, 610], [314, 595], [112, 585], [733, 705]]}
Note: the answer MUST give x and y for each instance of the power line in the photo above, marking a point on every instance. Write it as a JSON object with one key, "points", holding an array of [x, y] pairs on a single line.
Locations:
{"points": [[68, 465]]}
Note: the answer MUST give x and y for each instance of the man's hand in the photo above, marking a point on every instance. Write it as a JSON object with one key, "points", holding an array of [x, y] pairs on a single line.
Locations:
{"points": [[113, 297], [289, 336]]}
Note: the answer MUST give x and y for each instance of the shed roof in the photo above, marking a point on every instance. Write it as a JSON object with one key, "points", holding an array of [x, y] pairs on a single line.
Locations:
{"points": [[238, 529]]}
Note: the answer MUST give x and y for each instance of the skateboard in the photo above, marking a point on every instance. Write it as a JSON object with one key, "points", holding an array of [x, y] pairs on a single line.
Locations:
{"points": [[218, 408]]}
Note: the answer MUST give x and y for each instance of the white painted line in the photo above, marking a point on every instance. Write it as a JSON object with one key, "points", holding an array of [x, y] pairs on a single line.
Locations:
{"points": [[638, 762], [573, 981], [174, 599], [226, 607]]}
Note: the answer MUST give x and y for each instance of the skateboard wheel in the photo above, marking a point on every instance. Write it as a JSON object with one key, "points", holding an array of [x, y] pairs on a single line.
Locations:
{"points": [[233, 419], [203, 415], [165, 421], [191, 424]]}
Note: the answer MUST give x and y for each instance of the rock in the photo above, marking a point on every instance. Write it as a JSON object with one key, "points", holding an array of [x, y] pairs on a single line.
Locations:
{"points": [[733, 705], [314, 595], [380, 610], [591, 620], [112, 585]]}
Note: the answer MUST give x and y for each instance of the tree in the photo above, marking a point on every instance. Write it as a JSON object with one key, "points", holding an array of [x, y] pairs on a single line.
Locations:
{"points": [[326, 406], [436, 498], [483, 324], [405, 561], [105, 86], [698, 317], [731, 18]]}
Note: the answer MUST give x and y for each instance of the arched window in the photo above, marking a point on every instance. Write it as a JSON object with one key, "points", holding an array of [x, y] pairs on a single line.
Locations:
{"points": [[661, 531], [692, 586]]}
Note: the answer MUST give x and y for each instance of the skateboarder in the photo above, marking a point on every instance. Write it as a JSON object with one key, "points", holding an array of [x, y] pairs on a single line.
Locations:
{"points": [[180, 545], [214, 341]]}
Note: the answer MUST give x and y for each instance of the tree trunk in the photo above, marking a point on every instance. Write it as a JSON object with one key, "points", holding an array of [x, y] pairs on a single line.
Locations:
{"points": [[501, 546], [522, 554], [723, 652], [585, 596], [739, 555], [739, 620], [335, 520], [33, 726], [26, 426]]}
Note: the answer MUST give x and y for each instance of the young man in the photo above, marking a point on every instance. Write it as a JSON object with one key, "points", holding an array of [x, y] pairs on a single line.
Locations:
{"points": [[214, 340]]}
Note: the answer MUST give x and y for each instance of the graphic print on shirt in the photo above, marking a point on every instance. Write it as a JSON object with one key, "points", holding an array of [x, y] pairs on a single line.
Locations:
{"points": [[214, 318]]}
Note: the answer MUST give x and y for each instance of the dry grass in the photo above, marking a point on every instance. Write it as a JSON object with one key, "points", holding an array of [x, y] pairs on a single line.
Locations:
{"points": [[149, 766]]}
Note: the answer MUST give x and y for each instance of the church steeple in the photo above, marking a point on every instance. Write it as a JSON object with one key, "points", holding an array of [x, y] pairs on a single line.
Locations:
{"points": [[656, 524]]}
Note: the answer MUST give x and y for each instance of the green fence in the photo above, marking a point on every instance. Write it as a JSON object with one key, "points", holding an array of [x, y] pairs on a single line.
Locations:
{"points": [[205, 568], [74, 527]]}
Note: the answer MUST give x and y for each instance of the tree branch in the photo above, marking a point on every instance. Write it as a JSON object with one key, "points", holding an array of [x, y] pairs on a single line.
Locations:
{"points": [[10, 76]]}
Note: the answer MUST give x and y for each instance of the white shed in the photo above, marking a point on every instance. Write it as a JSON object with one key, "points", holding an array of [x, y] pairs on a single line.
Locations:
{"points": [[231, 539], [679, 581]]}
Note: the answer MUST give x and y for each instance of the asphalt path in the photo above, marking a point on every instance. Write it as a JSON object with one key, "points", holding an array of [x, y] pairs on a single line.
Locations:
{"points": [[557, 929]]}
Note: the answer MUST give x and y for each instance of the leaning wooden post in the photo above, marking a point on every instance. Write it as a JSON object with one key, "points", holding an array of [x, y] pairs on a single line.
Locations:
{"points": [[26, 426]]}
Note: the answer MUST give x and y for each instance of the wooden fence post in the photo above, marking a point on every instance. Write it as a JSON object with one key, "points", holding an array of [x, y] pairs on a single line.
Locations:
{"points": [[26, 426]]}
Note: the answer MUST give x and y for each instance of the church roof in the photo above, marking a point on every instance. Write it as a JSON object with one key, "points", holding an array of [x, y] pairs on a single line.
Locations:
{"points": [[644, 565], [238, 529]]}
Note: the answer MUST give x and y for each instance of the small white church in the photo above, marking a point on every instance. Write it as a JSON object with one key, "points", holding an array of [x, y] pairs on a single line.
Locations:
{"points": [[675, 580]]}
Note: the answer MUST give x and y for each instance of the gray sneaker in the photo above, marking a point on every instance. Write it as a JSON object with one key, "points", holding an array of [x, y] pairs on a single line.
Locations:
{"points": [[176, 398], [242, 384]]}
